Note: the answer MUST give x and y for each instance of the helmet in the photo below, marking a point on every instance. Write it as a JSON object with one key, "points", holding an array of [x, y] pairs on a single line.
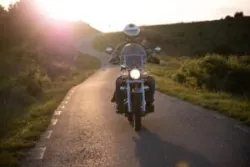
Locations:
{"points": [[131, 31]]}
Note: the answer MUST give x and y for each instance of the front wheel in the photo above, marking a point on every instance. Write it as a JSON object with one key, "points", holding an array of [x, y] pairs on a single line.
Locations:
{"points": [[137, 111], [130, 117]]}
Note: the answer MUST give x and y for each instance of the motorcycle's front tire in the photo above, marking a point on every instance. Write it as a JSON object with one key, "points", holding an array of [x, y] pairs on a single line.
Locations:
{"points": [[136, 107]]}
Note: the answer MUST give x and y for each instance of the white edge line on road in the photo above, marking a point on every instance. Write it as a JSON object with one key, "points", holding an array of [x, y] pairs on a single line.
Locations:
{"points": [[58, 112], [54, 121], [219, 117], [40, 151], [48, 134], [241, 128]]}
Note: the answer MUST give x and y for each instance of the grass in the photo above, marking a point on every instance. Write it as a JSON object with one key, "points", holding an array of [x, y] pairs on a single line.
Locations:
{"points": [[231, 105], [25, 130]]}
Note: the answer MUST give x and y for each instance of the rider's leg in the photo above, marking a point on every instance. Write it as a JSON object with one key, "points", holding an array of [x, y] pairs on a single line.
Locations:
{"points": [[118, 94], [150, 93], [117, 89], [113, 98]]}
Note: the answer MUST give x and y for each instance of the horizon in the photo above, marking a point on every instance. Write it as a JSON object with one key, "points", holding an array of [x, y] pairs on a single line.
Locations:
{"points": [[164, 12]]}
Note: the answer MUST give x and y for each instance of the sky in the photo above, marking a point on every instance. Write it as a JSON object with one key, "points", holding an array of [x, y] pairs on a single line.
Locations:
{"points": [[113, 15]]}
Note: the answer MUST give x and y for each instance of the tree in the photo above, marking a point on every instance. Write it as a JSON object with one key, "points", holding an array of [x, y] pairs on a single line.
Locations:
{"points": [[3, 14], [238, 15], [2, 10], [228, 17]]}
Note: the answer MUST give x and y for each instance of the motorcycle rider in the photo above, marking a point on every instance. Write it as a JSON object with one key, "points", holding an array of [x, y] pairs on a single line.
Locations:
{"points": [[132, 33]]}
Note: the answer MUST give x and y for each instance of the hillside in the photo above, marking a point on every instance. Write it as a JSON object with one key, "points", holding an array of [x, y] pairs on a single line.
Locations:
{"points": [[38, 66], [227, 36]]}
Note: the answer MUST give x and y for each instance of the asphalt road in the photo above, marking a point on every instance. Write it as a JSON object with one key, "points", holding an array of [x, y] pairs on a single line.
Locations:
{"points": [[86, 132]]}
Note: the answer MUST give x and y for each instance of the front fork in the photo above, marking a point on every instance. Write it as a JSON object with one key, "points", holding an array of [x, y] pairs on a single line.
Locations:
{"points": [[138, 88]]}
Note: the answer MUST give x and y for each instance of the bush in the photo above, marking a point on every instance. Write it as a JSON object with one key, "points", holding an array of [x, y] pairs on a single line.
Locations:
{"points": [[238, 15], [214, 65], [34, 87], [179, 77], [244, 60], [238, 81], [228, 17], [217, 73]]}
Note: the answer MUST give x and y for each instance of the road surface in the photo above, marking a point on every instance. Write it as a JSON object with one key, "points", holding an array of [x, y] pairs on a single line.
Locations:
{"points": [[86, 132]]}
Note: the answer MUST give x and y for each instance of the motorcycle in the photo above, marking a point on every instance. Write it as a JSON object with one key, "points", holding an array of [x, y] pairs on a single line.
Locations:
{"points": [[133, 57]]}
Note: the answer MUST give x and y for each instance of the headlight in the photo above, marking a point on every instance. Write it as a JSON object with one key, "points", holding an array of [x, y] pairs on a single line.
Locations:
{"points": [[135, 74]]}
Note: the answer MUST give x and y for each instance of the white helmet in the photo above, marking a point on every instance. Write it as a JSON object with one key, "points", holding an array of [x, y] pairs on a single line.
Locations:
{"points": [[131, 30]]}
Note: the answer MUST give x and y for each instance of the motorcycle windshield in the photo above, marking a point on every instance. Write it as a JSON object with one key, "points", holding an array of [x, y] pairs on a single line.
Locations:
{"points": [[133, 54]]}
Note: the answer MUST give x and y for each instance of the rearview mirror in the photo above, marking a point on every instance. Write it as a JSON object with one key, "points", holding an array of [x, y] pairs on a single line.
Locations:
{"points": [[158, 49], [109, 49]]}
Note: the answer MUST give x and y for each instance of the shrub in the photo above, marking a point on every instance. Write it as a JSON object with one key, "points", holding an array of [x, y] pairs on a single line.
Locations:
{"points": [[237, 81], [214, 65], [238, 15], [34, 87], [244, 60], [179, 77], [228, 17], [217, 73]]}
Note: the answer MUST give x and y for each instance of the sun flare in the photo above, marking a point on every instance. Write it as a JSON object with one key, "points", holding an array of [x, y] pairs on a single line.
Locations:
{"points": [[74, 10], [63, 10]]}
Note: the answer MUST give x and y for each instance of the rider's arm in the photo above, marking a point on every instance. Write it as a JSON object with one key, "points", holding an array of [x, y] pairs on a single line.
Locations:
{"points": [[116, 52], [148, 51], [118, 49]]}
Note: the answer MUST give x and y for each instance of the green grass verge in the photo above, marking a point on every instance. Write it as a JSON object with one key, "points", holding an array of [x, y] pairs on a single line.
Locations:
{"points": [[26, 130], [234, 106]]}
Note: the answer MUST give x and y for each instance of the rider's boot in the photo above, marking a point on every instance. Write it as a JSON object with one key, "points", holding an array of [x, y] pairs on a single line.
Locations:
{"points": [[150, 106], [119, 109], [113, 98]]}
